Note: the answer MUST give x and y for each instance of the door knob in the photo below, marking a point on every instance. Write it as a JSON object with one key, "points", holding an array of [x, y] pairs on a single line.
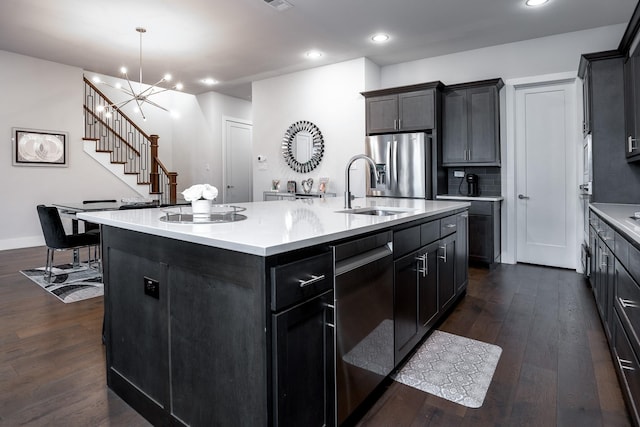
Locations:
{"points": [[230, 186], [522, 197]]}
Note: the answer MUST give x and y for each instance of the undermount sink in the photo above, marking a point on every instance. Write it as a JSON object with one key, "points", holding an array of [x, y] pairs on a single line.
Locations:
{"points": [[375, 211]]}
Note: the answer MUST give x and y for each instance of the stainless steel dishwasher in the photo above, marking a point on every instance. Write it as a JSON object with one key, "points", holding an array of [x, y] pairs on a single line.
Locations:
{"points": [[364, 318]]}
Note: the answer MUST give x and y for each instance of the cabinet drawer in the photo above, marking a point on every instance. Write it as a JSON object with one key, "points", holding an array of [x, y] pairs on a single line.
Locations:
{"points": [[621, 248], [481, 208], [627, 364], [634, 262], [297, 281], [405, 241], [429, 232], [448, 225], [628, 304]]}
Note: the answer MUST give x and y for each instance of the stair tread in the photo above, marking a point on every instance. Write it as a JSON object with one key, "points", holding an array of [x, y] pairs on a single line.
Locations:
{"points": [[90, 139]]}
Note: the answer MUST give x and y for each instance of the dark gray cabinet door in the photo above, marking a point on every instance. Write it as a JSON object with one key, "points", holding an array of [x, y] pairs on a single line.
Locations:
{"points": [[482, 108], [303, 360], [462, 252], [416, 110], [454, 119], [405, 316], [471, 128], [447, 270], [480, 238], [428, 307], [586, 101], [382, 114], [632, 107]]}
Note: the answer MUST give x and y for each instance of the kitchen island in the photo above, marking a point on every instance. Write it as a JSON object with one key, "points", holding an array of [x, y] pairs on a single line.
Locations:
{"points": [[234, 324]]}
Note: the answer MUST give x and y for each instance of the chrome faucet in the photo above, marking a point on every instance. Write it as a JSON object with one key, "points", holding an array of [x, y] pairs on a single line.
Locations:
{"points": [[347, 192]]}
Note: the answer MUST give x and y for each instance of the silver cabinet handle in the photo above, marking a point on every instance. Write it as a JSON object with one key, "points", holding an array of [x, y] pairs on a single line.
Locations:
{"points": [[424, 270], [625, 365], [311, 281], [523, 197], [444, 250], [395, 124], [450, 225], [399, 124], [627, 303]]}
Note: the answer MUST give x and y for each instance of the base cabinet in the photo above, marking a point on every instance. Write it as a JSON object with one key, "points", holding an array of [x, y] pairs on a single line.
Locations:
{"points": [[429, 274], [616, 288], [303, 344], [484, 232]]}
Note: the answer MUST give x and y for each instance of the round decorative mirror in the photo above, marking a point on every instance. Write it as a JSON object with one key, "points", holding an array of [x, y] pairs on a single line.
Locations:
{"points": [[303, 146]]}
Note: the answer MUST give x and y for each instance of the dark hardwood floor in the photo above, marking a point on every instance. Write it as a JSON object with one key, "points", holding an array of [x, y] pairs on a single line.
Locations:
{"points": [[555, 367]]}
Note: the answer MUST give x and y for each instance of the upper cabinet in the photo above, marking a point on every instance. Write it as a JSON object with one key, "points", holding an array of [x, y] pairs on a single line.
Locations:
{"points": [[632, 106], [629, 46], [402, 109], [471, 124]]}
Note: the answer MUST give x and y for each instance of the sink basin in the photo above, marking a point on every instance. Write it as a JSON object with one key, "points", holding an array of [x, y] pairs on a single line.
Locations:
{"points": [[375, 211]]}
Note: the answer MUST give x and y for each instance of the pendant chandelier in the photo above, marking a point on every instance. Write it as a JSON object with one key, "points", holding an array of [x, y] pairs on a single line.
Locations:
{"points": [[142, 95]]}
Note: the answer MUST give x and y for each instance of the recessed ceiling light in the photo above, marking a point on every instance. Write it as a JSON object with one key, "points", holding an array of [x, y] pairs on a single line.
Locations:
{"points": [[313, 54], [533, 3], [209, 81], [380, 38]]}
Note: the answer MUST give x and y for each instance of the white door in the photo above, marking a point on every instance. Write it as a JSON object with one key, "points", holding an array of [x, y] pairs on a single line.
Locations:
{"points": [[545, 175], [237, 165]]}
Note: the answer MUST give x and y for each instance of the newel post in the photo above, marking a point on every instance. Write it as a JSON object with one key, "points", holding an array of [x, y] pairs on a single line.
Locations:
{"points": [[173, 187], [154, 176]]}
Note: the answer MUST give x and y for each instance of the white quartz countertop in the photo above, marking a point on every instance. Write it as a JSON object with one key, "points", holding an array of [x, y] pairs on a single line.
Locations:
{"points": [[620, 216], [278, 226], [470, 198]]}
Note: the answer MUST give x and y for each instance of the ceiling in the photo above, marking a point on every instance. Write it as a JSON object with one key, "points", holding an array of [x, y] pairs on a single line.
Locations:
{"points": [[240, 41]]}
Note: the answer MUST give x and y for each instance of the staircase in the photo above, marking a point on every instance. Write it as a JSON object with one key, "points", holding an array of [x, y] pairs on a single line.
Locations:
{"points": [[115, 141]]}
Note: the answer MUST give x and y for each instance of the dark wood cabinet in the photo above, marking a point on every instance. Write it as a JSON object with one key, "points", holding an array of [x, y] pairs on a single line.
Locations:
{"points": [[586, 100], [447, 271], [484, 232], [402, 109], [303, 343], [471, 124], [615, 282], [462, 252], [429, 273], [632, 106]]}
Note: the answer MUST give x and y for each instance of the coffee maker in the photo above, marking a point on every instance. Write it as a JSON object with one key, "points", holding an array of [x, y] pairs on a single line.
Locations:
{"points": [[472, 185]]}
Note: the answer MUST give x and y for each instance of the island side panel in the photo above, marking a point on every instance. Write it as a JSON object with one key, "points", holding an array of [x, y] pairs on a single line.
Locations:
{"points": [[198, 353]]}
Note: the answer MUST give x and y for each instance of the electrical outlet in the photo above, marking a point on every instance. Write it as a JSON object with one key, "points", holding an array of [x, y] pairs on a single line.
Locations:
{"points": [[458, 174], [152, 288]]}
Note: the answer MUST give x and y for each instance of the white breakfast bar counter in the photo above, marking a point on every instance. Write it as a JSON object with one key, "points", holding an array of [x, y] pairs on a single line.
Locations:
{"points": [[235, 323], [277, 226]]}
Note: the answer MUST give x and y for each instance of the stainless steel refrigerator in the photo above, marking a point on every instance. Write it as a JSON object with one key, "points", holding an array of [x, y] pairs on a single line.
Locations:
{"points": [[403, 162]]}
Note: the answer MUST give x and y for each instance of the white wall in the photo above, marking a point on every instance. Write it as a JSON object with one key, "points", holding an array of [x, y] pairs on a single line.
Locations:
{"points": [[546, 55], [46, 95], [200, 158], [327, 96]]}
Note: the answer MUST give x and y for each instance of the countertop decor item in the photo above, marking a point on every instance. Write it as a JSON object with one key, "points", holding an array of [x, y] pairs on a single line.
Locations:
{"points": [[307, 184], [200, 196], [323, 185], [303, 146]]}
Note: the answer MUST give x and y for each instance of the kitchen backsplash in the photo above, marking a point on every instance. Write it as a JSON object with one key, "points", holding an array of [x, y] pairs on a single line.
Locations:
{"points": [[489, 180]]}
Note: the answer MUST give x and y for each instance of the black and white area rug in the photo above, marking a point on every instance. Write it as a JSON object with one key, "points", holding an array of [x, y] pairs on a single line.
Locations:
{"points": [[455, 368], [68, 283]]}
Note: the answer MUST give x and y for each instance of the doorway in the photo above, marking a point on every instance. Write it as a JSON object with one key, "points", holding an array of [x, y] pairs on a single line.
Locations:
{"points": [[545, 201], [236, 168]]}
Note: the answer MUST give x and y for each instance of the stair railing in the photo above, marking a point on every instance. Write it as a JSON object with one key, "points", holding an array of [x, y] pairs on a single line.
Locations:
{"points": [[115, 133]]}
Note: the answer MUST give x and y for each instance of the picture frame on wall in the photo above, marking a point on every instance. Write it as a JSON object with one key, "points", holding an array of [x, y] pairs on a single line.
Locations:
{"points": [[32, 147]]}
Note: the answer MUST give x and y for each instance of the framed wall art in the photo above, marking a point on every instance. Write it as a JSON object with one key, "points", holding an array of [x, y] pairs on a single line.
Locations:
{"points": [[32, 147]]}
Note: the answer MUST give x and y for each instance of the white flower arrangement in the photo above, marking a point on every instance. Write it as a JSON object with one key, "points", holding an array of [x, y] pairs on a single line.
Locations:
{"points": [[200, 192]]}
